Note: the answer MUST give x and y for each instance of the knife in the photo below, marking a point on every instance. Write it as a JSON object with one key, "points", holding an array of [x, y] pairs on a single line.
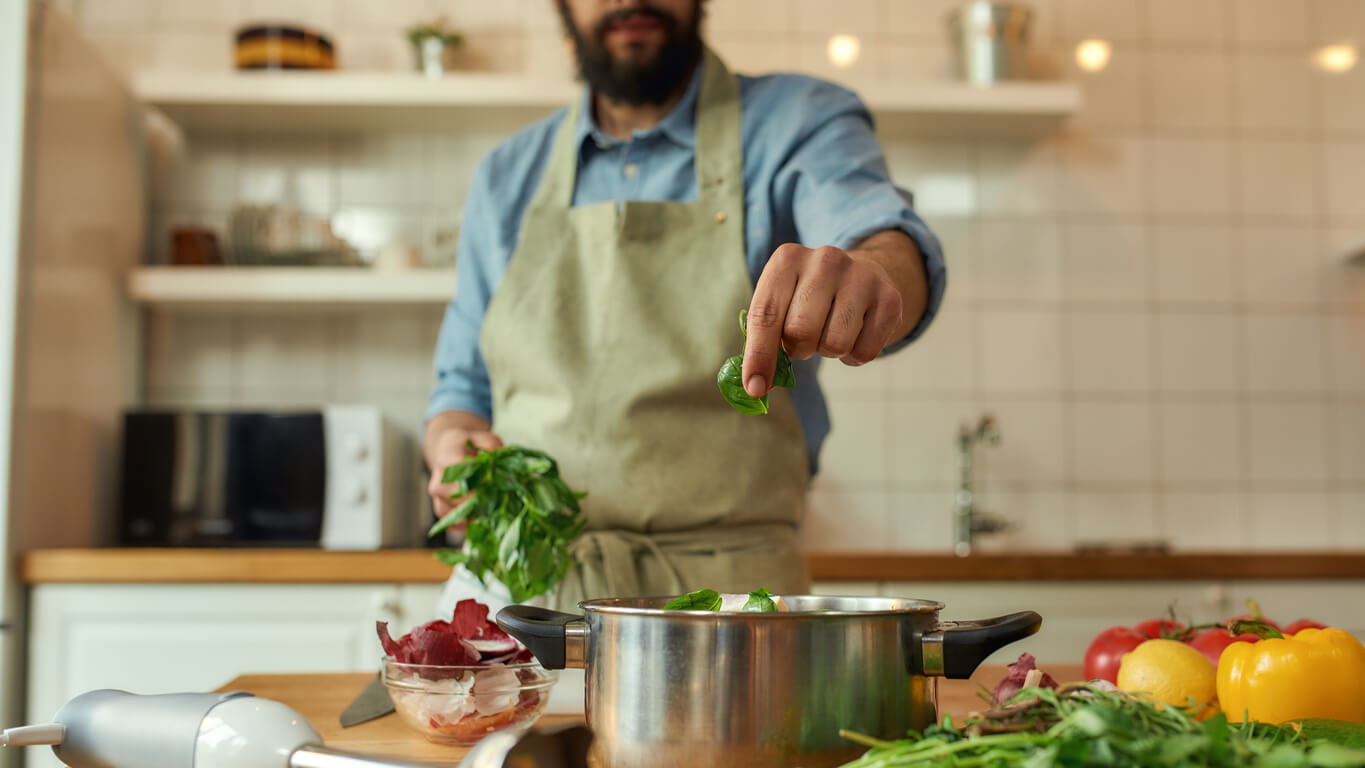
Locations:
{"points": [[372, 703]]}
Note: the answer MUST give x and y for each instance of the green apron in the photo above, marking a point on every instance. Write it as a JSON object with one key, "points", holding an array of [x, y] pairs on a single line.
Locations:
{"points": [[602, 344]]}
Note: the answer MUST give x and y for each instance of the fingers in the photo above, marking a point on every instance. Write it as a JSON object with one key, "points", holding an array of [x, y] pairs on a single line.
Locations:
{"points": [[441, 501], [440, 496], [767, 316], [878, 325], [484, 441], [818, 301], [844, 322], [819, 279]]}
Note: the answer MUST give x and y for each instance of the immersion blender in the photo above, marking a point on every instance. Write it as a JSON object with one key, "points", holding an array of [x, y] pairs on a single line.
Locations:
{"points": [[117, 729]]}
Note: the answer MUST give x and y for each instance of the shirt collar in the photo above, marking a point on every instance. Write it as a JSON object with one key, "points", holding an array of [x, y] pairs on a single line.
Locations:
{"points": [[679, 125]]}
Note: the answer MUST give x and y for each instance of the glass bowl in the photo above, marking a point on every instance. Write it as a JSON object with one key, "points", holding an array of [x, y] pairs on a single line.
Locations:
{"points": [[460, 705]]}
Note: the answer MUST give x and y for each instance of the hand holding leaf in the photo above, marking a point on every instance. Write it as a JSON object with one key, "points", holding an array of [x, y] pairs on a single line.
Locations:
{"points": [[731, 378]]}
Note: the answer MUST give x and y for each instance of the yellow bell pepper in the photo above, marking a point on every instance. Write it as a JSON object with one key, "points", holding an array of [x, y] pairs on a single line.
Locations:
{"points": [[1315, 673]]}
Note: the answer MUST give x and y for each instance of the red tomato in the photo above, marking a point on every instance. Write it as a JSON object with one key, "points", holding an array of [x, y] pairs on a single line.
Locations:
{"points": [[1102, 657], [1155, 627], [1249, 617], [1294, 628], [1211, 642]]}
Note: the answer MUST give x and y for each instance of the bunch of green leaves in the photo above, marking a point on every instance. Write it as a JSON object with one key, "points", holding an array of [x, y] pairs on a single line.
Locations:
{"points": [[519, 518], [1087, 725], [731, 377], [760, 601]]}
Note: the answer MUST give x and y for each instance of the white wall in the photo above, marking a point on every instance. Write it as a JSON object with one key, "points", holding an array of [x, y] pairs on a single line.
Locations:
{"points": [[1152, 299]]}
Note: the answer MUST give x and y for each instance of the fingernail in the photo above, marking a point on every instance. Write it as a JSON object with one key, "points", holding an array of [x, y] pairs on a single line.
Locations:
{"points": [[757, 386]]}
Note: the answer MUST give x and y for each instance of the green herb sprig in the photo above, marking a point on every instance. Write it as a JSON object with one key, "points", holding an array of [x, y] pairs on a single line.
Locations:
{"points": [[520, 517], [730, 379], [1089, 725]]}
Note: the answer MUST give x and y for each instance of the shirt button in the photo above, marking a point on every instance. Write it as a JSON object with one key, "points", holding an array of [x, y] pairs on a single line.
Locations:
{"points": [[720, 217], [631, 170]]}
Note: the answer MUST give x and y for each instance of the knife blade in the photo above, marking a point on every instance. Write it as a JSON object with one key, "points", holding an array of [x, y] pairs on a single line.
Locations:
{"points": [[371, 704]]}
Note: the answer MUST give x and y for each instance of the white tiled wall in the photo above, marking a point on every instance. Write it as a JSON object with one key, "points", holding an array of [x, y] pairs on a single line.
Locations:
{"points": [[1153, 300]]}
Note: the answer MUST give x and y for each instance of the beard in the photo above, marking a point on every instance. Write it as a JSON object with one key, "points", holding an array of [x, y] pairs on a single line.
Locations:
{"points": [[636, 82]]}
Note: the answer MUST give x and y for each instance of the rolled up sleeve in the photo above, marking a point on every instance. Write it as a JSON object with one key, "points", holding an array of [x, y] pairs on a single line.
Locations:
{"points": [[461, 377], [841, 190]]}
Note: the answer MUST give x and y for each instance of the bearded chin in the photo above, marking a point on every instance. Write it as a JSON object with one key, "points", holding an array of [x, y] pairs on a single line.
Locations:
{"points": [[637, 83]]}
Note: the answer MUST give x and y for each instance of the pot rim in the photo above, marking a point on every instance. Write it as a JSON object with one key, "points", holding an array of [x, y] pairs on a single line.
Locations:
{"points": [[896, 607]]}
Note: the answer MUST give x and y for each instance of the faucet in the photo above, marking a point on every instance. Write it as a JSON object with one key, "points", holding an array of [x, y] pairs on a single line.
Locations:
{"points": [[967, 519]]}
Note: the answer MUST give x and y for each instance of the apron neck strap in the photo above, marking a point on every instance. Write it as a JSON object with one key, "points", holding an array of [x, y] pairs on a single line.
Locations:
{"points": [[718, 150]]}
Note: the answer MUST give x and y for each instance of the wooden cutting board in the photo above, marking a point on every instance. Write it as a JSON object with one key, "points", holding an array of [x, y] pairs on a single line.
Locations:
{"points": [[321, 697]]}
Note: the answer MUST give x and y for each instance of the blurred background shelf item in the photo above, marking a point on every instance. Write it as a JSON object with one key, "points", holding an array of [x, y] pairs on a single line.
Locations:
{"points": [[281, 236], [275, 102], [283, 287], [282, 46]]}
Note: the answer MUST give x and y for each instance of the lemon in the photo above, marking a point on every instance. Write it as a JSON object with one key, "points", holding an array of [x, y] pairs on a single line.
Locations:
{"points": [[1171, 673]]}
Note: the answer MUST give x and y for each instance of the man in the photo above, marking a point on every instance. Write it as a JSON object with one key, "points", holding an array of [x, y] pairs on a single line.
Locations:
{"points": [[604, 258]]}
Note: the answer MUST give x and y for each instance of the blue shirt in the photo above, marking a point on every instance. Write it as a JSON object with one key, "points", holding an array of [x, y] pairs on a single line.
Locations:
{"points": [[813, 174]]}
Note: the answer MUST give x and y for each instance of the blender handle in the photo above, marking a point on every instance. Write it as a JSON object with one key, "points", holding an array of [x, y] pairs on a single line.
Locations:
{"points": [[557, 639], [956, 648]]}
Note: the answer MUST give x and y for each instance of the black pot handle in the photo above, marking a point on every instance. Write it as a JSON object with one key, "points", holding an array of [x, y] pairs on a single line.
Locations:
{"points": [[557, 639], [957, 648]]}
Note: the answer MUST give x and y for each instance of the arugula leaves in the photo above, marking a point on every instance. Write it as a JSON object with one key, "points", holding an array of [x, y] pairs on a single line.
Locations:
{"points": [[731, 382], [1083, 724], [520, 517]]}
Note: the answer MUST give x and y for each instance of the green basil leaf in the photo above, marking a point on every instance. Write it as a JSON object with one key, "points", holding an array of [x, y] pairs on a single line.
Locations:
{"points": [[456, 473], [701, 600], [732, 387], [451, 557], [544, 494], [760, 601], [731, 382], [455, 515], [785, 376]]}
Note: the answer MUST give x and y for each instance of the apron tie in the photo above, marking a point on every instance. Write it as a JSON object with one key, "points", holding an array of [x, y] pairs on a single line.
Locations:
{"points": [[613, 554]]}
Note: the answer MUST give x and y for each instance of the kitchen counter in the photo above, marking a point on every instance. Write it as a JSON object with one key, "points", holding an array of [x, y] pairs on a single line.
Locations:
{"points": [[321, 698], [313, 566]]}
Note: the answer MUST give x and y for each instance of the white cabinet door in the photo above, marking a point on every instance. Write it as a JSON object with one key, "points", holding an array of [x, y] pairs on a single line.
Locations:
{"points": [[191, 638]]}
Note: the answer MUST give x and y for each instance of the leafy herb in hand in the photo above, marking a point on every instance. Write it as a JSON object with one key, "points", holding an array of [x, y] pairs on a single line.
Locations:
{"points": [[731, 377], [520, 517]]}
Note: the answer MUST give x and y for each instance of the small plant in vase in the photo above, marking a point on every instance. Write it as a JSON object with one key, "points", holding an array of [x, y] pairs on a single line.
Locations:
{"points": [[434, 46]]}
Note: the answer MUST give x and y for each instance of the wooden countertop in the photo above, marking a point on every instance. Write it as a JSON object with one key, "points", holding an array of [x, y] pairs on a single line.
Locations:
{"points": [[313, 566], [320, 698]]}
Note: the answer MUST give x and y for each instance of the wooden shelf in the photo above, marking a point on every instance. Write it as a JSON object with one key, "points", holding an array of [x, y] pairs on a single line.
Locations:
{"points": [[314, 566], [275, 102], [299, 287]]}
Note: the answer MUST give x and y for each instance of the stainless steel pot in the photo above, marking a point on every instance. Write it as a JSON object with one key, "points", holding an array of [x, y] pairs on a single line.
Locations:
{"points": [[698, 688]]}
